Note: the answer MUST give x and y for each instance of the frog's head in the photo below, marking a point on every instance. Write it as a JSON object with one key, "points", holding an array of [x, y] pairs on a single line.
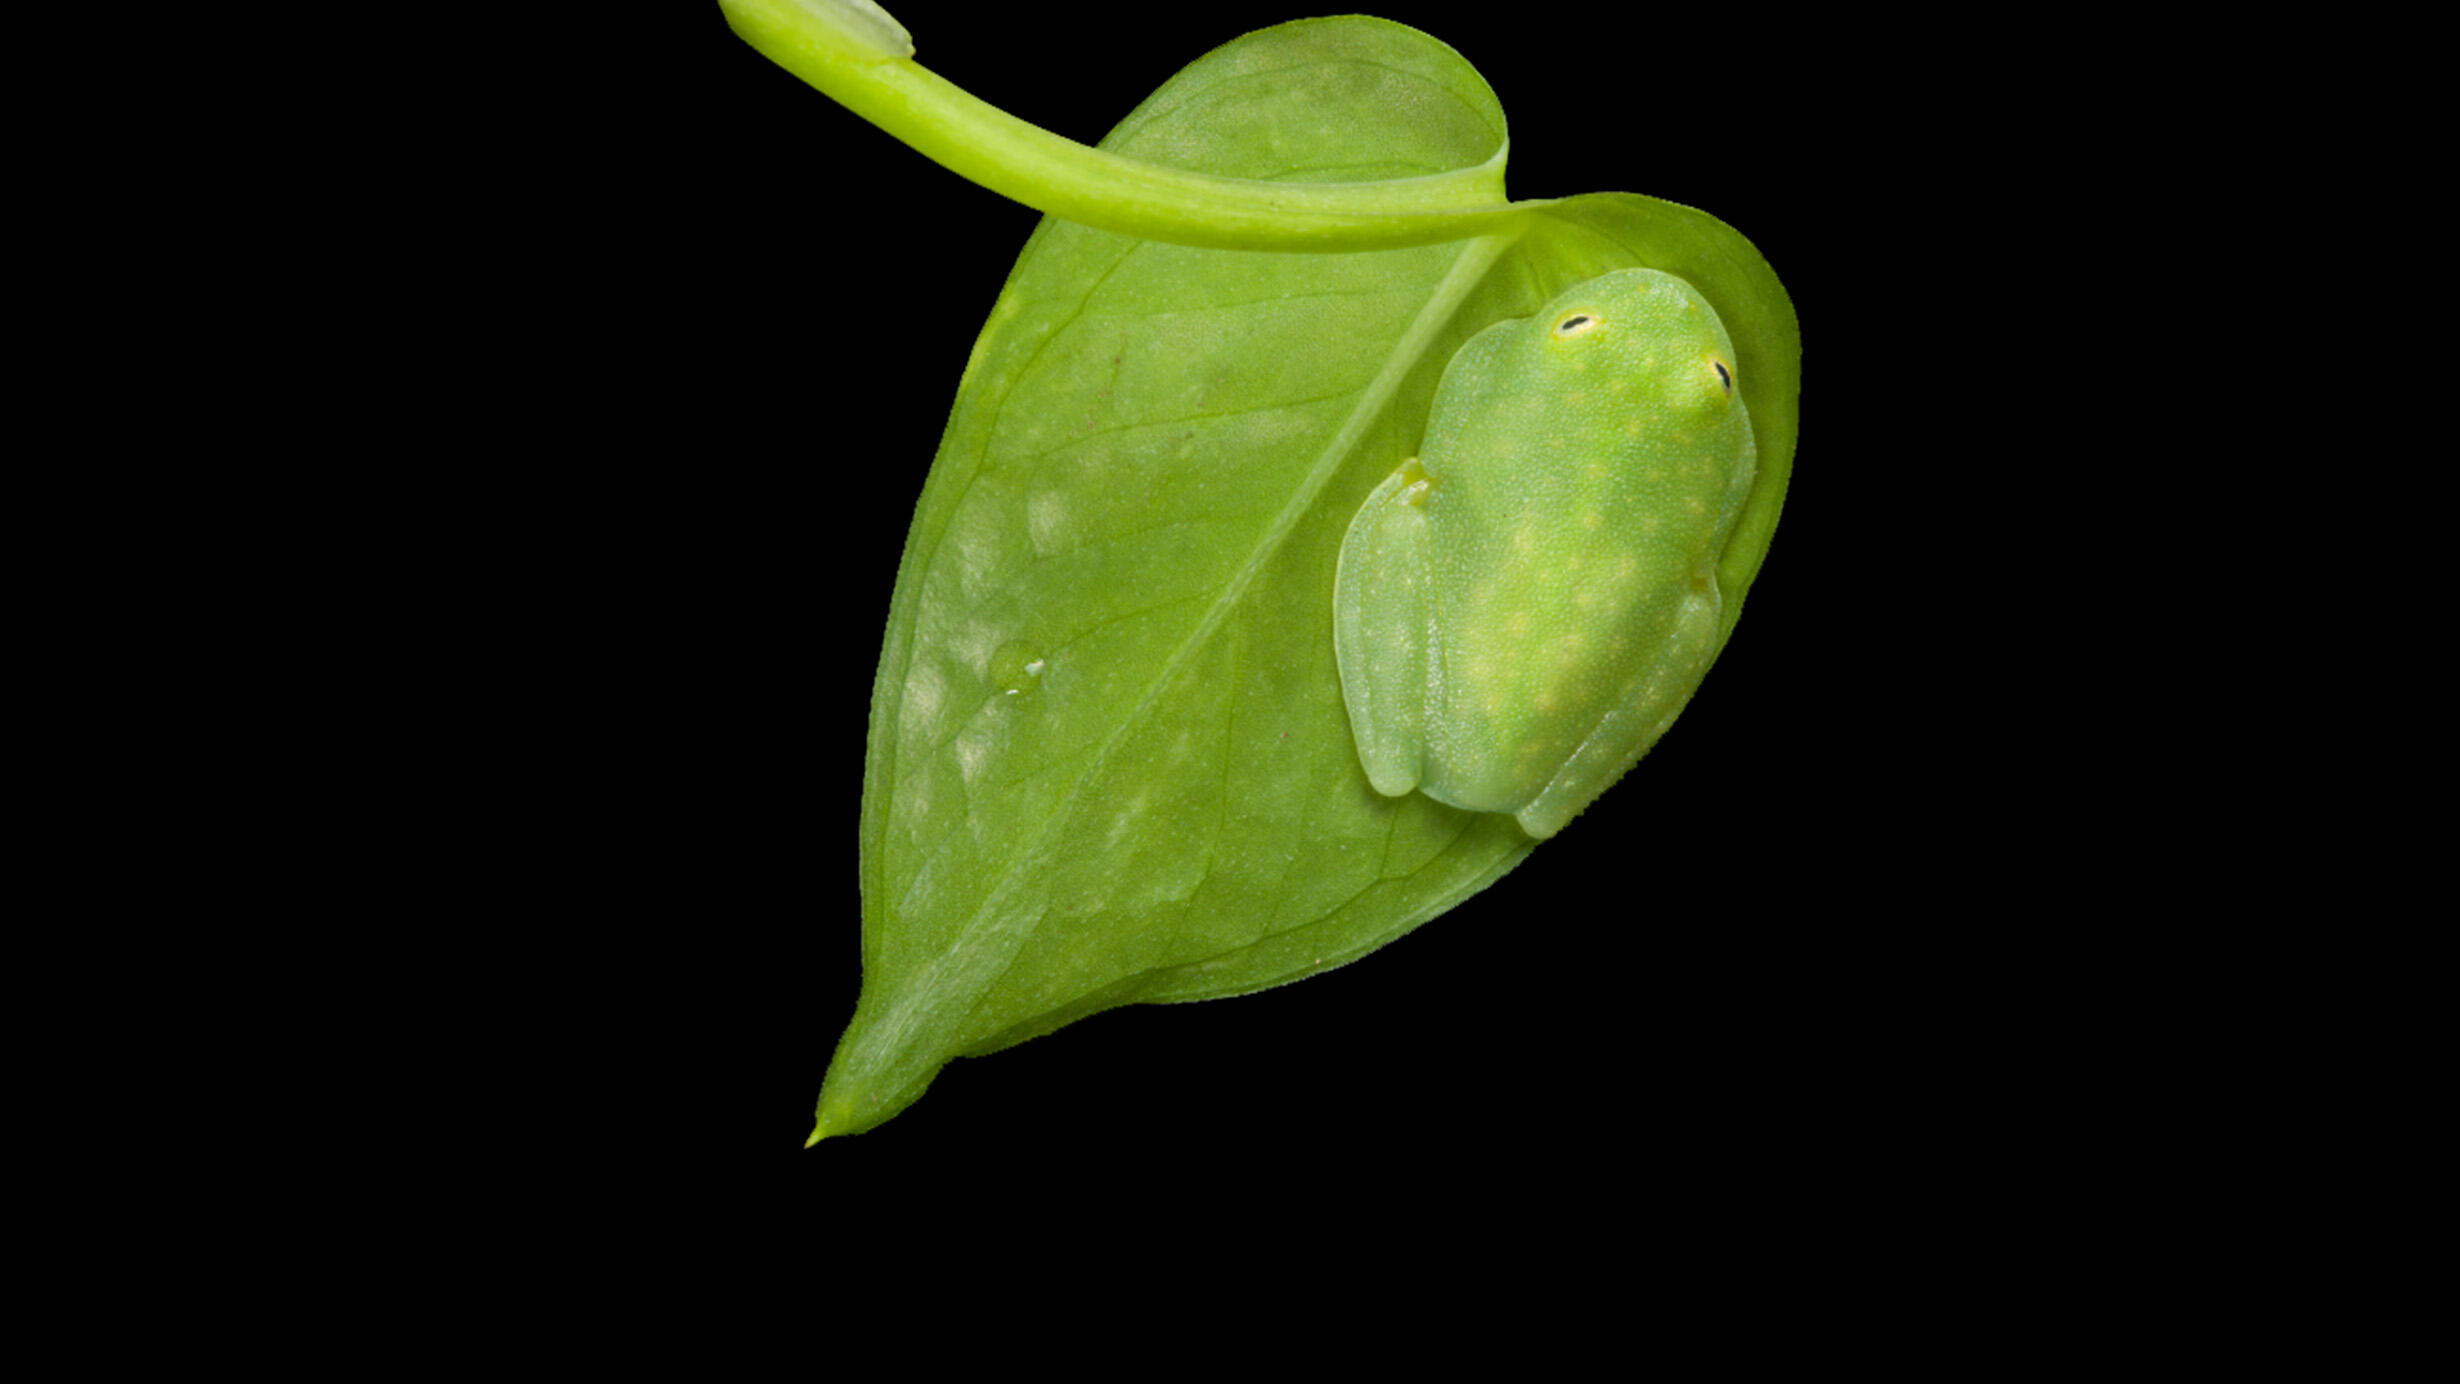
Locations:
{"points": [[1651, 330]]}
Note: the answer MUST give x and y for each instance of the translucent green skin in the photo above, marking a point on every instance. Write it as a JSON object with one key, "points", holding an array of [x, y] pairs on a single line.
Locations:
{"points": [[1521, 610]]}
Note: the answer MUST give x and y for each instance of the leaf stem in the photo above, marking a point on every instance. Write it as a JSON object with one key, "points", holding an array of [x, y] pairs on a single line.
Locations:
{"points": [[860, 57]]}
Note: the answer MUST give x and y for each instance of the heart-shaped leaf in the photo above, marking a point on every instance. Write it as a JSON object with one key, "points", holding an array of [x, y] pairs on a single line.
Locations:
{"points": [[1109, 760]]}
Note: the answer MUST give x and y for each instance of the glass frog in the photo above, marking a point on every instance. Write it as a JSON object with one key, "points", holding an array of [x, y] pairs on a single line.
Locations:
{"points": [[1521, 609]]}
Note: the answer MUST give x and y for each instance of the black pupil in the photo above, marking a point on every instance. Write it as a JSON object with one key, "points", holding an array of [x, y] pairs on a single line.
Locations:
{"points": [[1571, 322], [1723, 377]]}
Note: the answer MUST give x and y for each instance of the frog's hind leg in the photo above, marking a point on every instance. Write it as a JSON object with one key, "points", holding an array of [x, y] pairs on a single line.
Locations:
{"points": [[1380, 630]]}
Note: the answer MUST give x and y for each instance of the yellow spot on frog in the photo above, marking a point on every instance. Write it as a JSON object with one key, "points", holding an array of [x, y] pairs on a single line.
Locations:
{"points": [[1591, 519]]}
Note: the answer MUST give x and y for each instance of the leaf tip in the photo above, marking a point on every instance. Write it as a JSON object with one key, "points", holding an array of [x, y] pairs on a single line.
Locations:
{"points": [[819, 1132]]}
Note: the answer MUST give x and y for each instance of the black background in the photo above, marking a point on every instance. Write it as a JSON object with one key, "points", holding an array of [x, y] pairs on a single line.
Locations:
{"points": [[1783, 933]]}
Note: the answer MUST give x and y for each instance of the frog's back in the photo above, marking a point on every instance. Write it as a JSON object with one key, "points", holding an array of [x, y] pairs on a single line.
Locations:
{"points": [[1586, 468]]}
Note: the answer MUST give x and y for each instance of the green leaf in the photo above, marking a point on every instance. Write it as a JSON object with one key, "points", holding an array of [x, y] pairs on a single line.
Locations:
{"points": [[1109, 761]]}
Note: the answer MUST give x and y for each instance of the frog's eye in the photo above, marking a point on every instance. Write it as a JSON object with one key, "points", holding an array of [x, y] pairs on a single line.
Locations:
{"points": [[1725, 375], [1575, 322]]}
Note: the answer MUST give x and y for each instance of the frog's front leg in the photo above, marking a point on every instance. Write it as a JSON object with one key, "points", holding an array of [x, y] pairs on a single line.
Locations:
{"points": [[1381, 631]]}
